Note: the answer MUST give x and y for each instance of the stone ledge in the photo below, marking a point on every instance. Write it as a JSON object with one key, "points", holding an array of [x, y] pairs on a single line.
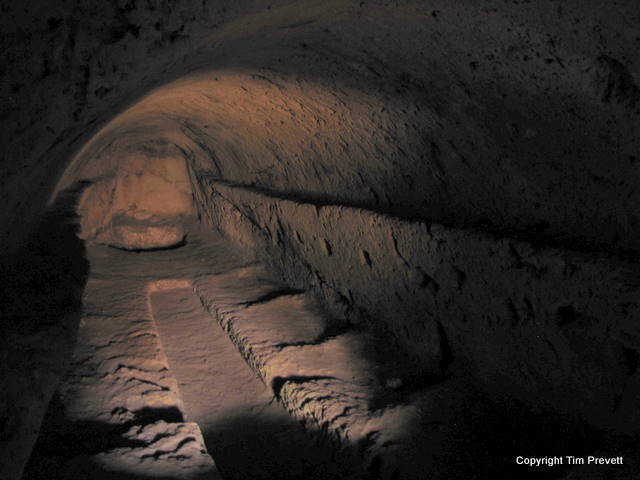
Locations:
{"points": [[328, 382]]}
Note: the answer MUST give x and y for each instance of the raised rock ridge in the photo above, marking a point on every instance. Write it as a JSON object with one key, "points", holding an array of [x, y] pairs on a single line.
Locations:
{"points": [[549, 326], [329, 379]]}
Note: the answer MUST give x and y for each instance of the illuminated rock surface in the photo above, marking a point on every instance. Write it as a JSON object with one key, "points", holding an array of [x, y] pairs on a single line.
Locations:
{"points": [[442, 194]]}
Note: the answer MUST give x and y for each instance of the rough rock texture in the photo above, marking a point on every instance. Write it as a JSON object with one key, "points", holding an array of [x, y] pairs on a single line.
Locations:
{"points": [[131, 234], [553, 327], [334, 382], [249, 433], [118, 412], [518, 116], [346, 385], [162, 450], [140, 203], [484, 152], [148, 359]]}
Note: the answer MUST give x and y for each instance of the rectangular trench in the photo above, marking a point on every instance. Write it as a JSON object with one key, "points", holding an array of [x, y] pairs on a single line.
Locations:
{"points": [[246, 431]]}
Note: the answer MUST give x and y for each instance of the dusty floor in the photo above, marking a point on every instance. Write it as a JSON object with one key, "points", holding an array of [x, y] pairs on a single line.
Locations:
{"points": [[149, 360]]}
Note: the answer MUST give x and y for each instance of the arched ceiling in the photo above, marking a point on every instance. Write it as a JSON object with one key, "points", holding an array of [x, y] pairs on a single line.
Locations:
{"points": [[514, 117]]}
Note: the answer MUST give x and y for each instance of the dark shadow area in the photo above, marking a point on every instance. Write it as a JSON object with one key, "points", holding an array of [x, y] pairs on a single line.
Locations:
{"points": [[480, 437], [272, 445], [64, 439], [149, 415], [250, 446], [61, 440], [44, 282], [40, 303], [495, 433], [482, 442]]}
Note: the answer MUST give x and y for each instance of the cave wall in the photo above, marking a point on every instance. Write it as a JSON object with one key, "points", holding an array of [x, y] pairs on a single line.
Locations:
{"points": [[554, 328], [40, 304], [67, 68], [142, 202], [518, 117], [497, 129]]}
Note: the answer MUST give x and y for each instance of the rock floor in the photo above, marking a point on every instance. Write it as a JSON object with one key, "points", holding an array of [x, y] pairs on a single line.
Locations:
{"points": [[194, 363], [157, 389]]}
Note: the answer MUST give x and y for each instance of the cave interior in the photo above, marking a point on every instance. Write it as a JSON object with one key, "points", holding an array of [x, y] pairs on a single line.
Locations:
{"points": [[319, 239]]}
